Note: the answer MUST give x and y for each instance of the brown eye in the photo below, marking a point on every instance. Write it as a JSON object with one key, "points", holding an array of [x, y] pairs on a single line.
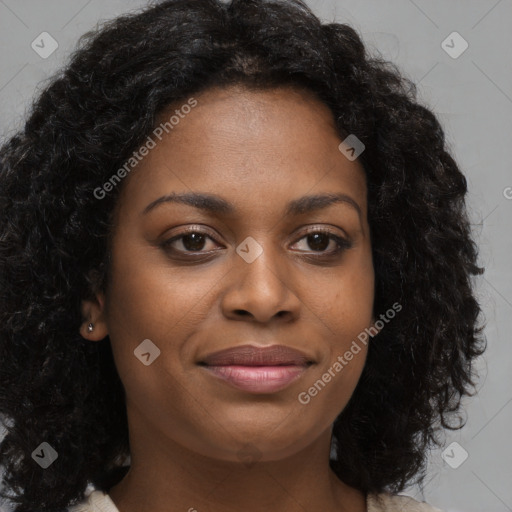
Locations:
{"points": [[189, 241], [193, 241], [320, 240]]}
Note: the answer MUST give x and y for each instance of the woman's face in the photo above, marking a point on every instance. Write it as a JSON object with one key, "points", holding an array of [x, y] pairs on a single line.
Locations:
{"points": [[251, 275]]}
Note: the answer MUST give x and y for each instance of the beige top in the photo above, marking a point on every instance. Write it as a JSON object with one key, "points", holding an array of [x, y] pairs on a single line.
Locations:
{"points": [[98, 501]]}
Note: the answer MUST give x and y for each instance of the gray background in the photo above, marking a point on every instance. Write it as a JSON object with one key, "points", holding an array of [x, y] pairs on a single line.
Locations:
{"points": [[471, 94]]}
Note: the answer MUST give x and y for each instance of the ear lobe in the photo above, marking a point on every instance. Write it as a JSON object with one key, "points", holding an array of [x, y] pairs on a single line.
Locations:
{"points": [[94, 326]]}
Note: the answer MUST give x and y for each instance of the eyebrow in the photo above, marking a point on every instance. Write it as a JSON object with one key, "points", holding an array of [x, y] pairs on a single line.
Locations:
{"points": [[216, 205]]}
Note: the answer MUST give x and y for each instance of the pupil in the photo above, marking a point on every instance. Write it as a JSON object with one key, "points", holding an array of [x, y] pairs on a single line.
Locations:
{"points": [[193, 241], [318, 246]]}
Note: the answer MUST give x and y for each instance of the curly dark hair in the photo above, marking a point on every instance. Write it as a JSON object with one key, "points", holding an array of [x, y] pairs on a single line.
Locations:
{"points": [[55, 238]]}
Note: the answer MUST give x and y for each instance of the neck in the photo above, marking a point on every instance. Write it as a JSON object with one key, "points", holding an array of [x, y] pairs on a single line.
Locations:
{"points": [[165, 477]]}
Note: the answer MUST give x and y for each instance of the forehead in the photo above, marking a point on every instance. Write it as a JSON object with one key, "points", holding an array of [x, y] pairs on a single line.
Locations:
{"points": [[252, 144], [242, 120]]}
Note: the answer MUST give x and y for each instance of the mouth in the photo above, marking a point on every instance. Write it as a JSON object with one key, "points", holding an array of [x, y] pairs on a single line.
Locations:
{"points": [[257, 370]]}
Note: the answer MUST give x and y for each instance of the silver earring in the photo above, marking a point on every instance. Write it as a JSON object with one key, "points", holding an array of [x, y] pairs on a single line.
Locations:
{"points": [[90, 327]]}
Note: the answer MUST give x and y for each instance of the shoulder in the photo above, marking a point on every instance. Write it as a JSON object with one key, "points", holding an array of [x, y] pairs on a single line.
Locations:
{"points": [[96, 501], [385, 502]]}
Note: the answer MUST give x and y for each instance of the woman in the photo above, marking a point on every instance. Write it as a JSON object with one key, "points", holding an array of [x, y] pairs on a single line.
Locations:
{"points": [[236, 272]]}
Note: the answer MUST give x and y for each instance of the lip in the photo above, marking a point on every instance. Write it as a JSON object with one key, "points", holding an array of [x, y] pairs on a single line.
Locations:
{"points": [[257, 369], [250, 355], [258, 379]]}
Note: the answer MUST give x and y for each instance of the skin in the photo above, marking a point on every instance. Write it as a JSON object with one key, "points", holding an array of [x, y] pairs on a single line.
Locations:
{"points": [[258, 150]]}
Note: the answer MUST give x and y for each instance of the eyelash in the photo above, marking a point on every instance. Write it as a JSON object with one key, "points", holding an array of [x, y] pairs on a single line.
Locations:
{"points": [[342, 244]]}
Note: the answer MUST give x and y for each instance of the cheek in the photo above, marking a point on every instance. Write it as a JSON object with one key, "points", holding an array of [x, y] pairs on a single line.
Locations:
{"points": [[326, 393], [347, 313], [138, 300], [145, 297], [148, 299], [348, 307], [146, 302]]}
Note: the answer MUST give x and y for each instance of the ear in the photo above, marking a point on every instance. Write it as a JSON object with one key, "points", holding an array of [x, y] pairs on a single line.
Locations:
{"points": [[93, 312]]}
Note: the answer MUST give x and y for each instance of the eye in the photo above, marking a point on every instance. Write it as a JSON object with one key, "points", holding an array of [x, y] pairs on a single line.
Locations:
{"points": [[192, 240], [319, 240]]}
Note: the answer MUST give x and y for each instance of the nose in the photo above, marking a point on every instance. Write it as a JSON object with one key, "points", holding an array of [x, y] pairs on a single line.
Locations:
{"points": [[261, 289]]}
